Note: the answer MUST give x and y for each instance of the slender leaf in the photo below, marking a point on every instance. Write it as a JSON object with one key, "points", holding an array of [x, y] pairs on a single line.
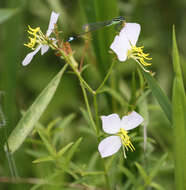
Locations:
{"points": [[128, 173], [43, 159], [67, 120], [28, 121], [142, 172], [179, 121], [157, 186], [92, 161], [5, 14], [73, 150], [160, 96], [46, 142], [64, 149], [61, 126], [157, 167]]}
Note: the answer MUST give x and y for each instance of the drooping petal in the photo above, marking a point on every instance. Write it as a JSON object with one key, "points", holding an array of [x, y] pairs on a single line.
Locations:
{"points": [[30, 56], [131, 121], [53, 20], [109, 146], [44, 49], [111, 123], [122, 43], [132, 31]]}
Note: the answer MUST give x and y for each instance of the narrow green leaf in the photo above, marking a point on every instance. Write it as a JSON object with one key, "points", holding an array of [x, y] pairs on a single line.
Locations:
{"points": [[43, 159], [142, 172], [175, 58], [60, 127], [5, 14], [92, 161], [28, 121], [157, 167], [64, 149], [73, 150], [66, 121], [179, 120], [36, 153], [93, 173], [46, 142], [128, 173], [52, 124], [157, 186], [160, 96]]}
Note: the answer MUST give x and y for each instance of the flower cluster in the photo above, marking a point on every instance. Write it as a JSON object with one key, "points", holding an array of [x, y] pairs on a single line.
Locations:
{"points": [[124, 45]]}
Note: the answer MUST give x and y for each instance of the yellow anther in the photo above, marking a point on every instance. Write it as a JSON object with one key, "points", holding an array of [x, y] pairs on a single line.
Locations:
{"points": [[125, 140], [137, 53], [33, 39]]}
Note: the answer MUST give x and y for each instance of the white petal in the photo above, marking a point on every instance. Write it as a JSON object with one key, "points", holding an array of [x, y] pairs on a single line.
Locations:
{"points": [[29, 56], [120, 46], [44, 49], [122, 43], [131, 121], [53, 20], [109, 146], [111, 123], [132, 31]]}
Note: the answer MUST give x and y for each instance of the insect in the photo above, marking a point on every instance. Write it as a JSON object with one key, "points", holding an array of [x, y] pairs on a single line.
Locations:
{"points": [[97, 25]]}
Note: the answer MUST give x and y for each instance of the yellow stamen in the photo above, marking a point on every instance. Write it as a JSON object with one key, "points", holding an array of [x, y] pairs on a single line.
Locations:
{"points": [[125, 140], [33, 39], [137, 53]]}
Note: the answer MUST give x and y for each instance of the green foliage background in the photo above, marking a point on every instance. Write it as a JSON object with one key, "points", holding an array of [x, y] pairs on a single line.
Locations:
{"points": [[21, 85]]}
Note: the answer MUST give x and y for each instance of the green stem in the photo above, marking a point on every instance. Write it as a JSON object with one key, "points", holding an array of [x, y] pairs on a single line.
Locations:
{"points": [[88, 109], [106, 77], [106, 175], [78, 74], [96, 110], [83, 81]]}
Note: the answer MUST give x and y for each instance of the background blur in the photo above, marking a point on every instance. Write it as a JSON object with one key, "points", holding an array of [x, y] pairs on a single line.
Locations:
{"points": [[20, 85]]}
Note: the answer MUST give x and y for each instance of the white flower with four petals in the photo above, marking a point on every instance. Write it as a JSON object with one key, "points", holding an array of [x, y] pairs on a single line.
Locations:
{"points": [[127, 38], [44, 47], [112, 124], [124, 45]]}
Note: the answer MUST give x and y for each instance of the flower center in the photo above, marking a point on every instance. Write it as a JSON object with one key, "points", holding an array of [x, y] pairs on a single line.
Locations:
{"points": [[125, 140], [137, 54], [37, 37]]}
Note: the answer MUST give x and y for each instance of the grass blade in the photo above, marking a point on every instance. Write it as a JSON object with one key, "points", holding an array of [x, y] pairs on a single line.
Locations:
{"points": [[179, 121], [160, 96]]}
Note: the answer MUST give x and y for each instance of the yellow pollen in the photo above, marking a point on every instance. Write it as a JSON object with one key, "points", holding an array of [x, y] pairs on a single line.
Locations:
{"points": [[125, 140], [137, 53], [33, 39]]}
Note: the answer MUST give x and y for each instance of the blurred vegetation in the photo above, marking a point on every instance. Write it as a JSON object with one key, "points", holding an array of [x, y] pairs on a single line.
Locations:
{"points": [[19, 87]]}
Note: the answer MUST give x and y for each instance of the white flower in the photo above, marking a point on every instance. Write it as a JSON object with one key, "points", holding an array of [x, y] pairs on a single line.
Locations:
{"points": [[40, 39], [112, 124], [124, 44]]}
